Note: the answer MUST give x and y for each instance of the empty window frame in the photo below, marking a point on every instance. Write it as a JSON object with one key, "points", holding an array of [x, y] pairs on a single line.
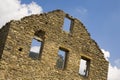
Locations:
{"points": [[84, 67], [61, 60], [67, 24], [36, 47]]}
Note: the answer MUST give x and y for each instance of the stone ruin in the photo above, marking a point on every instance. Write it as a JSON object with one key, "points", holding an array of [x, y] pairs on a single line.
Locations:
{"points": [[61, 52]]}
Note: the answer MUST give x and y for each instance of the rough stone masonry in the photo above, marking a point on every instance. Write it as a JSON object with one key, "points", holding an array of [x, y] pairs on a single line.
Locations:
{"points": [[15, 44]]}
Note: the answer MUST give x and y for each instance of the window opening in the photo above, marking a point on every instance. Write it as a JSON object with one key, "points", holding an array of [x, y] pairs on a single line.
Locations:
{"points": [[35, 50], [67, 24], [84, 67], [61, 59]]}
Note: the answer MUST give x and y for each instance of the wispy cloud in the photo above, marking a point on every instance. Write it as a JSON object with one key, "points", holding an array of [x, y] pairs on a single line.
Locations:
{"points": [[13, 9], [117, 62], [81, 10]]}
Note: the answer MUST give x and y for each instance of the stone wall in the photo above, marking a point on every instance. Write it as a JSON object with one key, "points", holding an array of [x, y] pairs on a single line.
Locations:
{"points": [[3, 36], [16, 64]]}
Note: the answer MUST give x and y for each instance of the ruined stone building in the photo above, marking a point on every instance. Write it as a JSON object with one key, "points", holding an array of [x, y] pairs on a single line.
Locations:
{"points": [[64, 54]]}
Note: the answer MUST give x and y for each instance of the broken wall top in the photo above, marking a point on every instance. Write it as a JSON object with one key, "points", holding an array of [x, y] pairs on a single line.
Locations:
{"points": [[53, 21]]}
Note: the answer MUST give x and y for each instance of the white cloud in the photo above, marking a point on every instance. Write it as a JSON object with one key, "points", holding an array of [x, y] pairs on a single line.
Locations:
{"points": [[113, 71], [35, 49], [106, 54], [13, 9]]}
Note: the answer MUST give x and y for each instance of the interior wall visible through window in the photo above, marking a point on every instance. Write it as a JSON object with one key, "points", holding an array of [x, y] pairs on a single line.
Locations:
{"points": [[36, 47], [61, 61]]}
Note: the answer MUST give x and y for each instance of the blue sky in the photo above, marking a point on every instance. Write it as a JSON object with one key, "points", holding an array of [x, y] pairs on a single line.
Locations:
{"points": [[101, 18]]}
